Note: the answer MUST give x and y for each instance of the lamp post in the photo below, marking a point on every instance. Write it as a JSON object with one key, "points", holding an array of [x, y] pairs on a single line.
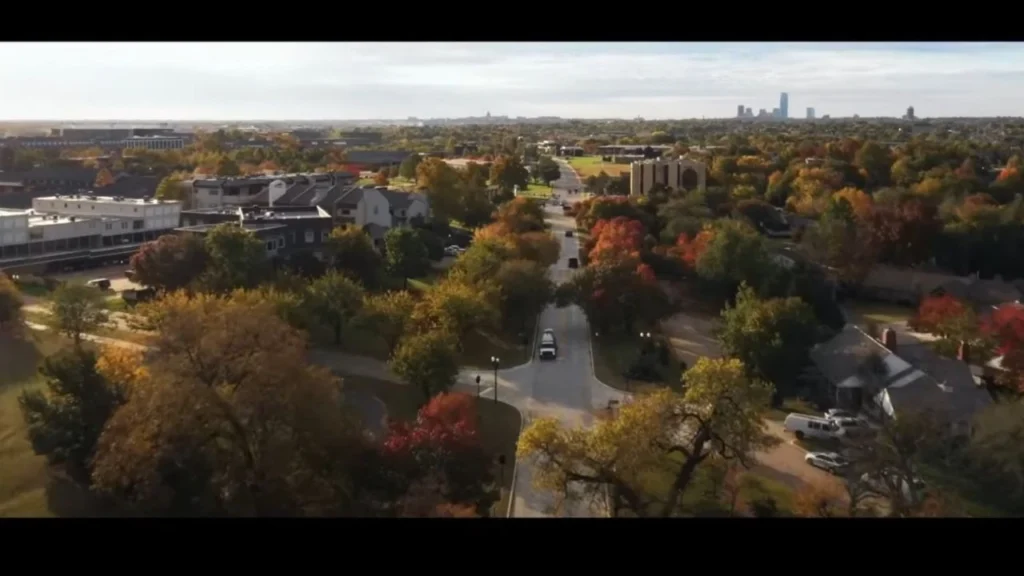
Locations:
{"points": [[645, 338], [477, 385], [495, 361]]}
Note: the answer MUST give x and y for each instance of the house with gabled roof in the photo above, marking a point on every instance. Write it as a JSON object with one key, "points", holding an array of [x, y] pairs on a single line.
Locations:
{"points": [[900, 374]]}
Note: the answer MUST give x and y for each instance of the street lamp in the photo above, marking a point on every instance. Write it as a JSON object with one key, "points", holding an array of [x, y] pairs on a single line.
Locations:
{"points": [[495, 361], [645, 337], [477, 385]]}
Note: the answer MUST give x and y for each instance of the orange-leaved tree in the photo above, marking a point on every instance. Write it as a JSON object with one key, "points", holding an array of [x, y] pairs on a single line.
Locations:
{"points": [[620, 237]]}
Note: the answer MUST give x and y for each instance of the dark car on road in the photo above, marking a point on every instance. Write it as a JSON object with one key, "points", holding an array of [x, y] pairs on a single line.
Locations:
{"points": [[574, 262], [568, 233]]}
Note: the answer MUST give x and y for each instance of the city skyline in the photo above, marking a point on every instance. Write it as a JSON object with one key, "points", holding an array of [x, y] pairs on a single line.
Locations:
{"points": [[314, 81]]}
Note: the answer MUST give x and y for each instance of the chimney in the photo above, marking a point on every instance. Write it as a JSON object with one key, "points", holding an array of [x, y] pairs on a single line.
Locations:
{"points": [[889, 339], [963, 353]]}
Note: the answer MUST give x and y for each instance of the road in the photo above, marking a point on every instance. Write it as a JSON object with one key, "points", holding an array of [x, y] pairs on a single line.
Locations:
{"points": [[564, 388]]}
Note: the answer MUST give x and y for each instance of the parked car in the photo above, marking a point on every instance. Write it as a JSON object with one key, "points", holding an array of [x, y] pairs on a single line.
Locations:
{"points": [[827, 461], [101, 283], [129, 274], [454, 250], [803, 425], [568, 233], [878, 481], [574, 262], [837, 413], [133, 297]]}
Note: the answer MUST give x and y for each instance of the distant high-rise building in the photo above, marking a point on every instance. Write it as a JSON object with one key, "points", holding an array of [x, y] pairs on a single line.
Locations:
{"points": [[776, 113], [910, 113], [784, 105], [810, 113], [749, 113], [739, 111]]}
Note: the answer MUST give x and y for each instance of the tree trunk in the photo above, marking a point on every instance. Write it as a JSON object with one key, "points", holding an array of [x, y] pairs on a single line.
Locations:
{"points": [[337, 333], [685, 474]]}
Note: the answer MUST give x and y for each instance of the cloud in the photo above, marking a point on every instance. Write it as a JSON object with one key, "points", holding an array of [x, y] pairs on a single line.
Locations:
{"points": [[396, 80]]}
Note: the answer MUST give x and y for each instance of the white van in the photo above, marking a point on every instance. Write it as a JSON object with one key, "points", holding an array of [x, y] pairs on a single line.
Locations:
{"points": [[802, 425], [548, 349]]}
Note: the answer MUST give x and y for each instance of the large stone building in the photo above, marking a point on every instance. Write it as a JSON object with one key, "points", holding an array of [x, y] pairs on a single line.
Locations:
{"points": [[681, 174]]}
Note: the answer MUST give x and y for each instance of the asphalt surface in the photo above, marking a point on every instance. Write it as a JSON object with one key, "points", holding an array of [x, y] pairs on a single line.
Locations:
{"points": [[564, 388]]}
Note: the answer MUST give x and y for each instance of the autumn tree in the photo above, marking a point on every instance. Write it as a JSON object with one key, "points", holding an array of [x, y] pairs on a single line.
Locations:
{"points": [[225, 166], [720, 414], [942, 315], [616, 239], [442, 447], [519, 216], [231, 420], [381, 177], [237, 259], [171, 262], [334, 300], [103, 178], [351, 251], [428, 361], [406, 253], [840, 242], [456, 308], [443, 186], [820, 499], [65, 418], [690, 249], [390, 316], [77, 309], [772, 337], [548, 170], [875, 162], [10, 303], [508, 171]]}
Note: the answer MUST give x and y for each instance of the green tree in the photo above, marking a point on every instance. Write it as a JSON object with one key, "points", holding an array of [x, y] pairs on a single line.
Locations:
{"points": [[548, 170], [77, 309], [170, 188], [772, 337], [841, 242], [525, 291], [427, 361], [407, 169], [735, 254], [443, 186], [876, 162], [507, 172], [227, 167], [406, 253], [66, 418], [237, 259], [661, 434], [389, 315], [351, 251], [334, 300]]}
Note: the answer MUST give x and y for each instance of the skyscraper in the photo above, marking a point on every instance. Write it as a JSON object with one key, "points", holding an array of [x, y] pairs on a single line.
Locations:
{"points": [[784, 106], [739, 111], [810, 113]]}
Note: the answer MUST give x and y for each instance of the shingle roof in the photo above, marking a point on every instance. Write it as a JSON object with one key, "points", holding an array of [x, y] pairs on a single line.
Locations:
{"points": [[915, 377], [351, 197], [132, 187]]}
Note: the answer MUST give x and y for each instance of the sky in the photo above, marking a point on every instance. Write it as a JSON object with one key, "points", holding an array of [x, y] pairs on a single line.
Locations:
{"points": [[342, 81]]}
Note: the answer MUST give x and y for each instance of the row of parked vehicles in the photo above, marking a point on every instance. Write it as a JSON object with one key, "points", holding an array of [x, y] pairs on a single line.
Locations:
{"points": [[843, 425]]}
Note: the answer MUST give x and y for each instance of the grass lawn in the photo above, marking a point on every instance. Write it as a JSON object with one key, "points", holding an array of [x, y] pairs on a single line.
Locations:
{"points": [[614, 354], [512, 349], [116, 333], [790, 405], [593, 165], [26, 487], [862, 312], [535, 190], [698, 499], [364, 182], [499, 425]]}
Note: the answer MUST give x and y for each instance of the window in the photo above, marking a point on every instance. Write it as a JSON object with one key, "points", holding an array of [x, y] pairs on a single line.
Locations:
{"points": [[137, 225], [376, 209], [108, 226], [35, 233], [79, 206], [135, 209], [93, 207], [310, 236], [280, 242], [65, 204], [324, 235], [814, 425], [124, 225]]}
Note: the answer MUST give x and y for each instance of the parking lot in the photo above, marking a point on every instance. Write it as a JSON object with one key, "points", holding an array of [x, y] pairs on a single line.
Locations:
{"points": [[118, 281]]}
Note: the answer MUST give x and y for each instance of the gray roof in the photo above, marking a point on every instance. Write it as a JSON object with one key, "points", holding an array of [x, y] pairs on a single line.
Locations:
{"points": [[351, 197], [915, 376], [981, 292]]}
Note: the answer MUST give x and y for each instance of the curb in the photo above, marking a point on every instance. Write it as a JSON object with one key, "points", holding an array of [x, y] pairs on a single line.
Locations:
{"points": [[515, 468], [590, 341]]}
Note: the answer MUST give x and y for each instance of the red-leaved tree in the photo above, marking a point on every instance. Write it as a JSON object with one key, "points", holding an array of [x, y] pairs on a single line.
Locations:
{"points": [[618, 238], [936, 311], [443, 445], [1006, 326], [691, 249]]}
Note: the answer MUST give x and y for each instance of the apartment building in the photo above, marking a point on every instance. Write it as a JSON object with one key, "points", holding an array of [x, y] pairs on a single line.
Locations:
{"points": [[678, 174], [78, 229], [286, 230]]}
